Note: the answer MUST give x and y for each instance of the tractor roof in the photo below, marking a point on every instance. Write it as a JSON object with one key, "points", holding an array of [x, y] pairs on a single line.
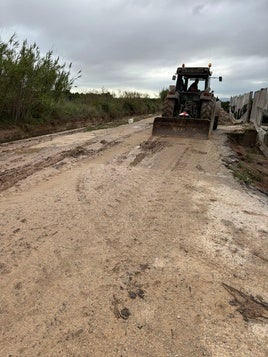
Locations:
{"points": [[196, 72]]}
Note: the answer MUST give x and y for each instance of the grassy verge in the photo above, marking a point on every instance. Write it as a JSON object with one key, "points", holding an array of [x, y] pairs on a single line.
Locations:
{"points": [[246, 175], [248, 164]]}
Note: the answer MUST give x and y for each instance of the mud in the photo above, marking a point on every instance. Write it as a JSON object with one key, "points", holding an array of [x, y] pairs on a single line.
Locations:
{"points": [[103, 257], [248, 306]]}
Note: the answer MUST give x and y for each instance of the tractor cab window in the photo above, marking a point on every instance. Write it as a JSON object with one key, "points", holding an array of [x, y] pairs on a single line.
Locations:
{"points": [[195, 84]]}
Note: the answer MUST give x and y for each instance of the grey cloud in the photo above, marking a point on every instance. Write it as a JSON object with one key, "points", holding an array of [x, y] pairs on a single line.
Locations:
{"points": [[197, 9], [125, 42]]}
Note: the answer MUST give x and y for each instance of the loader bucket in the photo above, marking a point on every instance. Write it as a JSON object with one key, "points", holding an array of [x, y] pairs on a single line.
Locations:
{"points": [[183, 127]]}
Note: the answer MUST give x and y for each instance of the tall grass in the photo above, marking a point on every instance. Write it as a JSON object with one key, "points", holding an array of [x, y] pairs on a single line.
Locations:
{"points": [[30, 84]]}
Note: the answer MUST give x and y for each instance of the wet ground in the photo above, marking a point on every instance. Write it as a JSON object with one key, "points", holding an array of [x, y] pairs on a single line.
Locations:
{"points": [[117, 243]]}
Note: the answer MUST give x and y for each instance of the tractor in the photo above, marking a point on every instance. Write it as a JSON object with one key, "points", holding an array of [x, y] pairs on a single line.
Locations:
{"points": [[190, 107]]}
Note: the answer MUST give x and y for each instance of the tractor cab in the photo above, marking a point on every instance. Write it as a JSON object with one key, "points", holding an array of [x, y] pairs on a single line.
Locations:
{"points": [[186, 76]]}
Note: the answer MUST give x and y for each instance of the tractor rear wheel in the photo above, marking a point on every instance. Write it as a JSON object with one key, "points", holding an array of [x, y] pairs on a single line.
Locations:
{"points": [[168, 108]]}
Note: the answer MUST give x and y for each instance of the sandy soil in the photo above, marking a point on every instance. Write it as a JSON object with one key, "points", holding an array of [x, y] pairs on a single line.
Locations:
{"points": [[116, 243]]}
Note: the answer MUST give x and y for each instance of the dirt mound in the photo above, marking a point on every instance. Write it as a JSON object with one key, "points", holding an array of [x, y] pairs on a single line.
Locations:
{"points": [[224, 118]]}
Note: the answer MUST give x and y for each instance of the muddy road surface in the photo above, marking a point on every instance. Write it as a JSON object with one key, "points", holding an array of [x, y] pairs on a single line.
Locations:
{"points": [[117, 243]]}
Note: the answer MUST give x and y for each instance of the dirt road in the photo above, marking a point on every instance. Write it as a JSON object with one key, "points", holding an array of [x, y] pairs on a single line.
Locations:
{"points": [[116, 243]]}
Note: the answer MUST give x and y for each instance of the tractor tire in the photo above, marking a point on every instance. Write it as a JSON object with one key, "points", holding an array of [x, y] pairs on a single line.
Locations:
{"points": [[215, 125], [168, 108], [207, 109]]}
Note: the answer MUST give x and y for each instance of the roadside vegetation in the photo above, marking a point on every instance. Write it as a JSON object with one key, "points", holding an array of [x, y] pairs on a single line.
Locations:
{"points": [[248, 164], [36, 90]]}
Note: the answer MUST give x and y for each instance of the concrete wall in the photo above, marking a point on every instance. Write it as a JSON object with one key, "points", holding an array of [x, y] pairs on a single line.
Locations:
{"points": [[240, 107], [247, 108], [258, 111]]}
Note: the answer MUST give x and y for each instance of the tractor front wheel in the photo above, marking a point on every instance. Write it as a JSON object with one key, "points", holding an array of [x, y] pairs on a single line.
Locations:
{"points": [[207, 109], [215, 125]]}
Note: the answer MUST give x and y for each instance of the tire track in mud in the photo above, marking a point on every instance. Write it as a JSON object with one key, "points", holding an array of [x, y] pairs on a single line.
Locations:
{"points": [[184, 156], [148, 244], [51, 156], [148, 148], [188, 157], [10, 177]]}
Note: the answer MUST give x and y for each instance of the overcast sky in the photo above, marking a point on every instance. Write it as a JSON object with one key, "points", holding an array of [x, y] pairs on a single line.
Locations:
{"points": [[138, 44]]}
